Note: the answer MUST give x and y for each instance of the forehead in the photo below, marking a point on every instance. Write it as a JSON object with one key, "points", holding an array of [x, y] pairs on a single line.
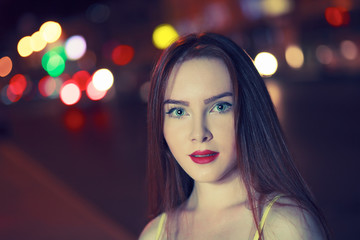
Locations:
{"points": [[200, 78]]}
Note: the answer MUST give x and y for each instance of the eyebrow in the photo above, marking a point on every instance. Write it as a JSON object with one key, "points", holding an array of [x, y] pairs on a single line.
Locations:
{"points": [[206, 101], [221, 95], [178, 102]]}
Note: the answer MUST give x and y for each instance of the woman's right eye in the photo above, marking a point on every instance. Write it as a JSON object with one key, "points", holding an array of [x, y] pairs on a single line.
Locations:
{"points": [[176, 112]]}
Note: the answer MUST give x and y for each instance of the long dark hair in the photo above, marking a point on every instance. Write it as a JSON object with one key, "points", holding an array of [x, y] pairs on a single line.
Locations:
{"points": [[264, 161]]}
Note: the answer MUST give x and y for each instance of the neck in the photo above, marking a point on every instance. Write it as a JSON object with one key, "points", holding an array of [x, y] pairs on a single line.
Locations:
{"points": [[220, 195]]}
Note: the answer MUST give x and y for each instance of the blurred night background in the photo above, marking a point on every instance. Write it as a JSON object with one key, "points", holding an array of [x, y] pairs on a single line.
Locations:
{"points": [[73, 104]]}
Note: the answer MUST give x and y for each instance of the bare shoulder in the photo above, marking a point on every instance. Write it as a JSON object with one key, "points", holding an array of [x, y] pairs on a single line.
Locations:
{"points": [[286, 220], [150, 230]]}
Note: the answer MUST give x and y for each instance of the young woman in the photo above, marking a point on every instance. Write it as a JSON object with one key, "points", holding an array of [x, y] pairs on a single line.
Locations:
{"points": [[218, 164]]}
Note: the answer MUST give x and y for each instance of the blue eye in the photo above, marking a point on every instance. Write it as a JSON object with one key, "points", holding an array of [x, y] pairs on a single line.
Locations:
{"points": [[222, 107], [176, 112]]}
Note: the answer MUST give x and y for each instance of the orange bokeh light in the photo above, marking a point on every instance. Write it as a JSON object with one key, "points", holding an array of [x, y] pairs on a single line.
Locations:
{"points": [[5, 66]]}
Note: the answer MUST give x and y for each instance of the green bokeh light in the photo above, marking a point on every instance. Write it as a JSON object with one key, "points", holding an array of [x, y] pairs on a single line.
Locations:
{"points": [[54, 61]]}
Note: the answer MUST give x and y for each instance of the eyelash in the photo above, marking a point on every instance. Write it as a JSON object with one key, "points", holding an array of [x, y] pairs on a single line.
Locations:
{"points": [[226, 105], [226, 108], [174, 110]]}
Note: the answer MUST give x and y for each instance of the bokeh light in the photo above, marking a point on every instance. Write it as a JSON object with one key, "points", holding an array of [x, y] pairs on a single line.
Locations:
{"points": [[337, 16], [70, 93], [75, 47], [47, 86], [324, 54], [37, 42], [11, 95], [7, 96], [276, 7], [103, 79], [55, 66], [93, 93], [3, 94], [74, 119], [17, 84], [266, 63], [98, 13], [24, 47], [349, 49], [144, 91], [122, 54], [294, 56], [50, 31], [251, 9], [82, 79], [5, 66], [164, 35], [54, 61]]}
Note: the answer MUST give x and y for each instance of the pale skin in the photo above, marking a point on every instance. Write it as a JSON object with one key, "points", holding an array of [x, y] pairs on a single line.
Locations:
{"points": [[199, 115]]}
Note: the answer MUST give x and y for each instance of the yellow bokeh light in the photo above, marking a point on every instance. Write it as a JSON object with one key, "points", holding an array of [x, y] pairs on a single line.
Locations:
{"points": [[294, 56], [24, 47], [266, 63], [37, 42], [164, 35], [276, 7], [50, 31]]}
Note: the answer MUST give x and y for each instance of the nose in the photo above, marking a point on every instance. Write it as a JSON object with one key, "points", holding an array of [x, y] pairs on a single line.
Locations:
{"points": [[200, 131]]}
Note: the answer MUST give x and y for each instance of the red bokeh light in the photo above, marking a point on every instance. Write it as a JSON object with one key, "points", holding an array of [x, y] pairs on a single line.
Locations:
{"points": [[82, 78], [122, 54], [74, 119], [17, 84], [12, 96], [47, 86], [337, 16]]}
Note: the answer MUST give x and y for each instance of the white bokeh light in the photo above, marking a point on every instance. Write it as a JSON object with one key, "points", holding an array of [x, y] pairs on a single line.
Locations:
{"points": [[70, 93], [93, 93], [75, 47], [103, 79], [266, 63]]}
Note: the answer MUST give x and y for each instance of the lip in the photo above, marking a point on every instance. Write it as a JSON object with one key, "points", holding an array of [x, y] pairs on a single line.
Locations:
{"points": [[203, 157]]}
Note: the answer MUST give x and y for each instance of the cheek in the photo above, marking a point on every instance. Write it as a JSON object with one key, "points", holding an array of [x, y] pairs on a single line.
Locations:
{"points": [[224, 134], [173, 134]]}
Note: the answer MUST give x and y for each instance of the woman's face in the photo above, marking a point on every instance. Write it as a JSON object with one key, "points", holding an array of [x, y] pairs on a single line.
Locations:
{"points": [[199, 119]]}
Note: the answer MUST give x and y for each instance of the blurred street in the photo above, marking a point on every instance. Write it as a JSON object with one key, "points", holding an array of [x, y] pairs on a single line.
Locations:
{"points": [[73, 104]]}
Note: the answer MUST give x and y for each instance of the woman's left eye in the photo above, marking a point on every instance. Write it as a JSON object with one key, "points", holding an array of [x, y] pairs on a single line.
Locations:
{"points": [[221, 107]]}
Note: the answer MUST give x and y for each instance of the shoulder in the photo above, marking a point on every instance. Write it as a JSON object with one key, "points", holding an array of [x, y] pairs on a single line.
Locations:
{"points": [[286, 220], [150, 230]]}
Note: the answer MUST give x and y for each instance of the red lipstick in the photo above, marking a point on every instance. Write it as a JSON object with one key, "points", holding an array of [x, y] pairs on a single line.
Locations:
{"points": [[203, 157]]}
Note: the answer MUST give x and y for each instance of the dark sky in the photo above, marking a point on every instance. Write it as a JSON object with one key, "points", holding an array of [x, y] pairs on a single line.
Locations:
{"points": [[12, 11]]}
